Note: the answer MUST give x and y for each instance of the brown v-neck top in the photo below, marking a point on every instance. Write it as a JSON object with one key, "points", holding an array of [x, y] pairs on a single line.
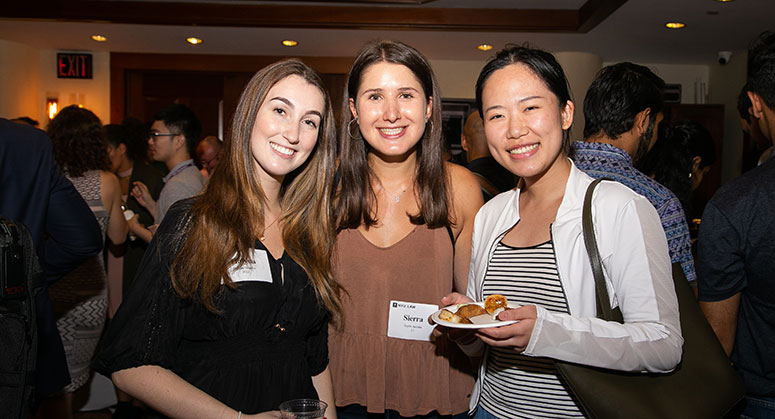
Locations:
{"points": [[373, 370]]}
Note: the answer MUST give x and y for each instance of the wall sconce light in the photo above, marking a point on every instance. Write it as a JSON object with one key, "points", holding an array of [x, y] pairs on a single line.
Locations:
{"points": [[52, 107]]}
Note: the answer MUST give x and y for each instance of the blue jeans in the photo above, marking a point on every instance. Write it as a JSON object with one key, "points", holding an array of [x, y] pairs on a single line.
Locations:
{"points": [[759, 408], [483, 414], [356, 411]]}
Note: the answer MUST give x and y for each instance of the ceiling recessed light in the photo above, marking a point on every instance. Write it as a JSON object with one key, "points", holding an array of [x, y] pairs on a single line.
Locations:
{"points": [[194, 41], [484, 47], [724, 1], [290, 42], [99, 38], [675, 25]]}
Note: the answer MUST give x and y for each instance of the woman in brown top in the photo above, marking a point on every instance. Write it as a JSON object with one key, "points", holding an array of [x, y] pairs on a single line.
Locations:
{"points": [[405, 218]]}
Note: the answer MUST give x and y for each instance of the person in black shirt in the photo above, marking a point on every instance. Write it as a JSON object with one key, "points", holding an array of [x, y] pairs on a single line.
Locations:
{"points": [[492, 177], [228, 316]]}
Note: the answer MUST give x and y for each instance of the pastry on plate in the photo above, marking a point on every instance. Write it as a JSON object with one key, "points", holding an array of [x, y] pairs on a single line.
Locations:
{"points": [[451, 317], [470, 310], [495, 303]]}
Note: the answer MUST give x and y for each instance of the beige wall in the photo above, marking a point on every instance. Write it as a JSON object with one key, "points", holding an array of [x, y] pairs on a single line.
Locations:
{"points": [[725, 83], [93, 94], [457, 79], [19, 81], [28, 76], [580, 69], [688, 76]]}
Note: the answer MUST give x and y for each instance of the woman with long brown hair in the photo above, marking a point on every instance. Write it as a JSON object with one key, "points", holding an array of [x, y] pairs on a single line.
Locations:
{"points": [[405, 218], [229, 312]]}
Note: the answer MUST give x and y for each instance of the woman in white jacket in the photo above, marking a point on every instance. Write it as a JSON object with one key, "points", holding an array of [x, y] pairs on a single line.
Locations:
{"points": [[528, 246]]}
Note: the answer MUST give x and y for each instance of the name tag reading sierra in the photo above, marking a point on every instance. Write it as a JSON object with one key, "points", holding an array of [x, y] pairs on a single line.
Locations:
{"points": [[410, 320]]}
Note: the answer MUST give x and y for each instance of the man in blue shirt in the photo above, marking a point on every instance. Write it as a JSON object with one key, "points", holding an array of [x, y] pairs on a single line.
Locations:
{"points": [[622, 112]]}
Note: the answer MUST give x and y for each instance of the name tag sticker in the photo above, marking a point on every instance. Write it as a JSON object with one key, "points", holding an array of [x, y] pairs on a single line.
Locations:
{"points": [[257, 270], [410, 320]]}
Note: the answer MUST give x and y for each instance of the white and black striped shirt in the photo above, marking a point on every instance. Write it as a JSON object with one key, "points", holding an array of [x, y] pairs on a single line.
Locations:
{"points": [[515, 385]]}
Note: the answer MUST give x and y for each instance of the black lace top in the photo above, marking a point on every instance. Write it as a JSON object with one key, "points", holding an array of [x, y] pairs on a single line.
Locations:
{"points": [[263, 348]]}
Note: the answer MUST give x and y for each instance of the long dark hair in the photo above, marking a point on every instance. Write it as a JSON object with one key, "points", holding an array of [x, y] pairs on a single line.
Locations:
{"points": [[78, 141], [229, 215], [670, 161], [357, 200], [543, 65]]}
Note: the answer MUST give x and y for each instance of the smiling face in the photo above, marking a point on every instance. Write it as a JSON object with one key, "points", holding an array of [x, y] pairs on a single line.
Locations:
{"points": [[523, 121], [286, 128], [392, 110]]}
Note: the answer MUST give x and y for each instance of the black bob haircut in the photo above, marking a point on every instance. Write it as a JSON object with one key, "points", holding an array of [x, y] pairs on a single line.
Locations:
{"points": [[544, 66]]}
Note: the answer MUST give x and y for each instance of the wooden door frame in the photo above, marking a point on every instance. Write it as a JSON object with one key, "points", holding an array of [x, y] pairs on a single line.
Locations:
{"points": [[121, 62]]}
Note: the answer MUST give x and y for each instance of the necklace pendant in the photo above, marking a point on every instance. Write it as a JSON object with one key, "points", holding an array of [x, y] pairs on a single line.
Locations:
{"points": [[397, 199]]}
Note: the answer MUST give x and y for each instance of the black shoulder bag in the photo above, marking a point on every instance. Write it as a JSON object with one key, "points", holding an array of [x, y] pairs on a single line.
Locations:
{"points": [[702, 386]]}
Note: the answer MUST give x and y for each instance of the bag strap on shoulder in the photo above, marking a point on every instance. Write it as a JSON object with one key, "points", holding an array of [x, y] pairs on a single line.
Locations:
{"points": [[604, 310]]}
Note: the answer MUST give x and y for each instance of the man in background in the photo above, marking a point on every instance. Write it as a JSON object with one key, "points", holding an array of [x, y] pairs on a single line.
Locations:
{"points": [[493, 178], [761, 148], [173, 136], [208, 151], [622, 112], [65, 233], [26, 120], [736, 250]]}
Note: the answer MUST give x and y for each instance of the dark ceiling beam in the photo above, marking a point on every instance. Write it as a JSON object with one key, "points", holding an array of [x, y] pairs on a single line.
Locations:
{"points": [[595, 11], [319, 17]]}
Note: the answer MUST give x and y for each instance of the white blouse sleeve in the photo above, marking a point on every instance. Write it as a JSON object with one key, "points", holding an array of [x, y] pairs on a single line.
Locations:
{"points": [[637, 266]]}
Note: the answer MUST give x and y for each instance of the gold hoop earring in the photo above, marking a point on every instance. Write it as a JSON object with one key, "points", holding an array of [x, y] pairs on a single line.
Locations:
{"points": [[350, 130]]}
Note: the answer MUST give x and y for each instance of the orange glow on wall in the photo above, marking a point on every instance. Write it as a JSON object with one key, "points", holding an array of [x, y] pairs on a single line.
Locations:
{"points": [[52, 107]]}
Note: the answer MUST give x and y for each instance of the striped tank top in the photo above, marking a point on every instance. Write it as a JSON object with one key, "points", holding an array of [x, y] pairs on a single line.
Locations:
{"points": [[516, 385]]}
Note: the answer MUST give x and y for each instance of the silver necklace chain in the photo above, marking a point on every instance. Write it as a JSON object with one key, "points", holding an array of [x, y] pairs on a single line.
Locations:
{"points": [[396, 198]]}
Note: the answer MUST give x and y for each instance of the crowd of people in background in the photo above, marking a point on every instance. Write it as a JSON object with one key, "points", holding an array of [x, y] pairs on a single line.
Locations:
{"points": [[291, 258]]}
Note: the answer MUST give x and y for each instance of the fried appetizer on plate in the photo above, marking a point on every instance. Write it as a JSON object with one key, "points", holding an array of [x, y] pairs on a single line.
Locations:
{"points": [[470, 310], [451, 317], [495, 303]]}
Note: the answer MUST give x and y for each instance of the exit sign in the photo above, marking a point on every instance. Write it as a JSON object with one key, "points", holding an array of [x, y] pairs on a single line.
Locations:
{"points": [[74, 66]]}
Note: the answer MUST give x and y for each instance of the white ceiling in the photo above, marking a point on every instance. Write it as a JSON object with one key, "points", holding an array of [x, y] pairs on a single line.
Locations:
{"points": [[633, 32]]}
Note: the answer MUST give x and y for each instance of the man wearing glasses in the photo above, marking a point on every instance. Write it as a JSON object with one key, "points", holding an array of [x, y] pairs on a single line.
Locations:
{"points": [[173, 137]]}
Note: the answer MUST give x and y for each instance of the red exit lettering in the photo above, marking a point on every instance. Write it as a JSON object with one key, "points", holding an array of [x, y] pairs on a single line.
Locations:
{"points": [[74, 66]]}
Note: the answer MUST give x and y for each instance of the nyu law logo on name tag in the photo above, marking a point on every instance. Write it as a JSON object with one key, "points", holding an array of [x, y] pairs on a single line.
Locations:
{"points": [[408, 320]]}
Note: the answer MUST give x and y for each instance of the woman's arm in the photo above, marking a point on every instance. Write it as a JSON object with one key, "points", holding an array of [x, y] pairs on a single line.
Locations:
{"points": [[166, 392], [169, 394], [110, 194], [139, 230], [466, 199], [633, 247], [325, 388]]}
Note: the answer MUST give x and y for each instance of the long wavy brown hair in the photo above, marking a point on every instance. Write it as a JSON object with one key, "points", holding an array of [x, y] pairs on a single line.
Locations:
{"points": [[229, 214], [78, 141], [357, 201]]}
